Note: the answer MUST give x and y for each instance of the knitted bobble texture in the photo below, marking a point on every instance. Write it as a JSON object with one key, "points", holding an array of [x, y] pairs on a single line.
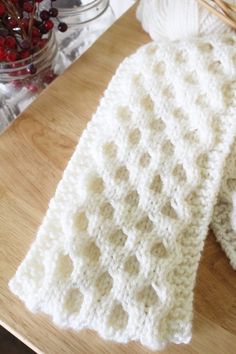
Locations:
{"points": [[121, 242]]}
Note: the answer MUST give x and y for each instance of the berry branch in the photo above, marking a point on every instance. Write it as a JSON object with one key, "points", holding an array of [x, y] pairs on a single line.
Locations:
{"points": [[24, 28]]}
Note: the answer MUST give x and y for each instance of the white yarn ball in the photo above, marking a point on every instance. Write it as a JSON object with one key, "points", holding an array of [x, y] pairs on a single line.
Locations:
{"points": [[176, 19]]}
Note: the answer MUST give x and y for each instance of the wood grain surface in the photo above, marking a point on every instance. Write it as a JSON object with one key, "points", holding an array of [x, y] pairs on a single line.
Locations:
{"points": [[33, 155]]}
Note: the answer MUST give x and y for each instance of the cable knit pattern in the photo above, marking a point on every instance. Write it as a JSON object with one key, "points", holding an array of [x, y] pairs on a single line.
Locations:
{"points": [[224, 217], [120, 245]]}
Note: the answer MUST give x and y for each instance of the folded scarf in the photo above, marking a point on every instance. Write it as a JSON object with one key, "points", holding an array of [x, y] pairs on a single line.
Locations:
{"points": [[119, 247], [185, 19]]}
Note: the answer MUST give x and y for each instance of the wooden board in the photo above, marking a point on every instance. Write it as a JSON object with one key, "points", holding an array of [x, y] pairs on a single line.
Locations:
{"points": [[33, 155]]}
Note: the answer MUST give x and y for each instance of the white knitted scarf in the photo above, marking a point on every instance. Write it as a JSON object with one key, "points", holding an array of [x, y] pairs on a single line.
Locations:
{"points": [[121, 242]]}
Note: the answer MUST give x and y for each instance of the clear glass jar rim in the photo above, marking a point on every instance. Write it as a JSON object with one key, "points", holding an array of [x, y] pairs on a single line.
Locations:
{"points": [[83, 7], [79, 10]]}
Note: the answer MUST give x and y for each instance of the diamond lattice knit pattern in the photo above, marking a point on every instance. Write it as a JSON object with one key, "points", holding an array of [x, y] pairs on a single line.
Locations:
{"points": [[120, 245]]}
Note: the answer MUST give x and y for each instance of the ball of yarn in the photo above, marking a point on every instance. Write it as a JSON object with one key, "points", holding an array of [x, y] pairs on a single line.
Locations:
{"points": [[177, 19]]}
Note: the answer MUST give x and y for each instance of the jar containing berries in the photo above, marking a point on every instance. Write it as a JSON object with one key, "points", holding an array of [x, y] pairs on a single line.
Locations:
{"points": [[29, 57], [22, 80]]}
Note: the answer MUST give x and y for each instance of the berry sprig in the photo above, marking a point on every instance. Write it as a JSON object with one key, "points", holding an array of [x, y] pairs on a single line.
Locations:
{"points": [[24, 28]]}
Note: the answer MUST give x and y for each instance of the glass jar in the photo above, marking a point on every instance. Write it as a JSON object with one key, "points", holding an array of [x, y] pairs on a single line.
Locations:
{"points": [[86, 20], [18, 87]]}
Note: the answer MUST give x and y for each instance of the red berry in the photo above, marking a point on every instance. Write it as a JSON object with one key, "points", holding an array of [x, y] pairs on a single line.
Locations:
{"points": [[35, 40], [48, 25], [2, 41], [2, 9], [35, 32], [28, 7], [2, 53], [42, 42], [33, 88], [10, 42], [12, 22], [17, 83], [25, 54], [62, 27], [44, 15], [11, 55], [49, 77], [25, 23], [53, 12]]}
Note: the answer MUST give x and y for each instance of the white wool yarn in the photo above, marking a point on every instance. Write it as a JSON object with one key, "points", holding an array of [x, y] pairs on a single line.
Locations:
{"points": [[178, 19]]}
